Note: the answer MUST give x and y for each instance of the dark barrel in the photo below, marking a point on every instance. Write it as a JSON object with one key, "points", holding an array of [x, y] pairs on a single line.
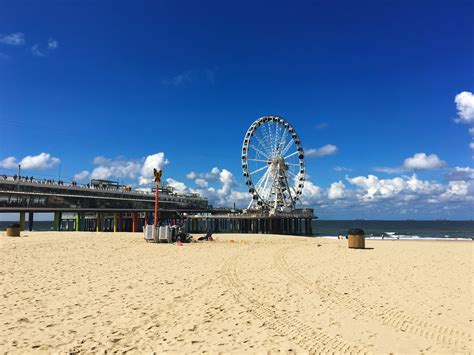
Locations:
{"points": [[356, 239], [13, 230]]}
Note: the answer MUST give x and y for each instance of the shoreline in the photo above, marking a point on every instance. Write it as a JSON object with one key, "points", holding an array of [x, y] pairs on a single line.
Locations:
{"points": [[195, 235]]}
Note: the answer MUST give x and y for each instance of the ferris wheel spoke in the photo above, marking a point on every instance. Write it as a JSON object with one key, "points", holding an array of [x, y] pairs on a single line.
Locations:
{"points": [[260, 181], [291, 164], [292, 173], [263, 140], [294, 153], [277, 129], [259, 160], [287, 147], [294, 191], [259, 169], [266, 191], [263, 145], [288, 189], [270, 136], [282, 141], [259, 151]]}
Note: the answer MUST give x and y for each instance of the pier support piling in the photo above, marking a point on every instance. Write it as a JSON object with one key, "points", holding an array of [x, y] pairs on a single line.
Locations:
{"points": [[98, 223], [21, 222], [78, 221], [134, 221], [30, 221], [115, 221], [56, 222]]}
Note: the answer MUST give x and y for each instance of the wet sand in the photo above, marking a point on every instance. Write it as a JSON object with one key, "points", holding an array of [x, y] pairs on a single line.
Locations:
{"points": [[96, 292]]}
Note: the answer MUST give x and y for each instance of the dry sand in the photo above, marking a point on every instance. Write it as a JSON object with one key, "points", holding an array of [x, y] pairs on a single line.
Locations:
{"points": [[91, 292]]}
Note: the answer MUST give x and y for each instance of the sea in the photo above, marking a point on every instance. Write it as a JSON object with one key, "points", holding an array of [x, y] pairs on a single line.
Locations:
{"points": [[409, 229]]}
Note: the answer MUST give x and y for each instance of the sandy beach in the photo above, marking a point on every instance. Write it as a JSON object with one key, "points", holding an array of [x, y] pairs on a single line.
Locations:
{"points": [[96, 292]]}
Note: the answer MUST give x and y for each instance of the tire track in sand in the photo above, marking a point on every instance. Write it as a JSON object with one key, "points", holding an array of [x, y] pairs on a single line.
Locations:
{"points": [[392, 317], [284, 324]]}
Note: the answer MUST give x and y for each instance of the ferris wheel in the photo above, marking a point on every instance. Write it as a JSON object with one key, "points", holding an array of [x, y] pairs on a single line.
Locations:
{"points": [[273, 164]]}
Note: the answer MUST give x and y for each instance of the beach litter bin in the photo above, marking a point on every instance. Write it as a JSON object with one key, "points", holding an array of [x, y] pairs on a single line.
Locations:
{"points": [[13, 230], [356, 239]]}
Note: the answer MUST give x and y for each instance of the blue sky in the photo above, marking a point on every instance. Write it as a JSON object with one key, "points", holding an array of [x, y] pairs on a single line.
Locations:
{"points": [[101, 86]]}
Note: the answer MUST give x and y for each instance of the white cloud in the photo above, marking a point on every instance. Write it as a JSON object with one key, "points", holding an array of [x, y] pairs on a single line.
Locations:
{"points": [[181, 79], [321, 125], [176, 185], [217, 185], [227, 180], [154, 161], [9, 163], [400, 189], [37, 51], [460, 173], [101, 172], [240, 198], [101, 160], [198, 75], [42, 50], [52, 44], [213, 175], [389, 170], [465, 106], [191, 175], [341, 168], [328, 149], [458, 188], [336, 190], [41, 161], [421, 161], [362, 196], [372, 187], [13, 39], [458, 191], [81, 176], [312, 194], [122, 168], [116, 168], [201, 183]]}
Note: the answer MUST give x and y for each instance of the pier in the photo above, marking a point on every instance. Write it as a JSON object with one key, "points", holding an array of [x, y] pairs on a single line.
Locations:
{"points": [[106, 206], [299, 222]]}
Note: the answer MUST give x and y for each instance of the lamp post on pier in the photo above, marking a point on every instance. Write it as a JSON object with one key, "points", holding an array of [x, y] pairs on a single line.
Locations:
{"points": [[157, 174]]}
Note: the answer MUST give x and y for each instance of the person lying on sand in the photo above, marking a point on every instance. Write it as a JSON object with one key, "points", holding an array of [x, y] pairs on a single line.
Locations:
{"points": [[208, 236]]}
